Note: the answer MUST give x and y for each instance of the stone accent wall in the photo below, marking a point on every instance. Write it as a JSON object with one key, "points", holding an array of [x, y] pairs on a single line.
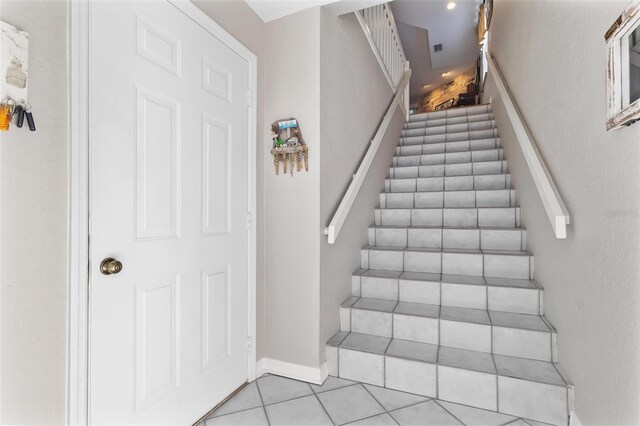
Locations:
{"points": [[448, 91]]}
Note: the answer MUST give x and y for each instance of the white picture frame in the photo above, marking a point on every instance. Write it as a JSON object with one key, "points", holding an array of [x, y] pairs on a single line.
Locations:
{"points": [[621, 112]]}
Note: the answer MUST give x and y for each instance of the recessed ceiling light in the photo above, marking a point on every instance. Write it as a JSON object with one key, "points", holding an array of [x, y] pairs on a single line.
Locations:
{"points": [[426, 85], [444, 74], [451, 5]]}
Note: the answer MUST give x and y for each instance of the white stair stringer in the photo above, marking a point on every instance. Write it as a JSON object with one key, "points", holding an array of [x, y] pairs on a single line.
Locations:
{"points": [[445, 303]]}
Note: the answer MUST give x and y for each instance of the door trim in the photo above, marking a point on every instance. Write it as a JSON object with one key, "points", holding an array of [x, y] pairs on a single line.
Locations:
{"points": [[78, 31]]}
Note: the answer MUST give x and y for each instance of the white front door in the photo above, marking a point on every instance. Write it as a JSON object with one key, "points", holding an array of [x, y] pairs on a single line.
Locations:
{"points": [[169, 127]]}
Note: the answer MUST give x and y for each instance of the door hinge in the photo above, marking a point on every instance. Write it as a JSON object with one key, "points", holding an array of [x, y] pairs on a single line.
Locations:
{"points": [[249, 220], [249, 97], [248, 344]]}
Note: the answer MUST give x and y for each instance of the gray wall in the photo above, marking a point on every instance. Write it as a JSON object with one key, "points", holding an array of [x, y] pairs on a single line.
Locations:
{"points": [[33, 228], [552, 56], [292, 209], [354, 95]]}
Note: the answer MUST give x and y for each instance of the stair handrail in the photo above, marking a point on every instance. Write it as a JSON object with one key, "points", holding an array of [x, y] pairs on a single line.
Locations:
{"points": [[553, 204], [342, 212]]}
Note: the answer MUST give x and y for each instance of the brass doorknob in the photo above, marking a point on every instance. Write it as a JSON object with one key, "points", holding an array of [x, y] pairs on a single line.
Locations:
{"points": [[110, 266]]}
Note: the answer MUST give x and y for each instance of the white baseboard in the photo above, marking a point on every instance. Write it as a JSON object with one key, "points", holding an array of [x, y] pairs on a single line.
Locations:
{"points": [[292, 371]]}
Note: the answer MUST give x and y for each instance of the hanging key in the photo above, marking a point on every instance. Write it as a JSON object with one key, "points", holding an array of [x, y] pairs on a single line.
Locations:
{"points": [[19, 111], [32, 124]]}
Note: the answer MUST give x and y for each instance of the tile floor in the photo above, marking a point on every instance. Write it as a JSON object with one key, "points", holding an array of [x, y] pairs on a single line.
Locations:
{"points": [[274, 400]]}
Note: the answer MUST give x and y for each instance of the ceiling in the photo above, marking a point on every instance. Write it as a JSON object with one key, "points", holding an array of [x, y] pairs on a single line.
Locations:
{"points": [[424, 23], [269, 10]]}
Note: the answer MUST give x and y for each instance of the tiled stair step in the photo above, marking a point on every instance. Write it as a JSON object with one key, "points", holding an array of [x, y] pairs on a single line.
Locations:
{"points": [[449, 113], [449, 128], [428, 199], [454, 146], [474, 118], [502, 333], [449, 137], [496, 294], [486, 263], [448, 158], [450, 183], [457, 169], [448, 237], [457, 198], [510, 385], [450, 216]]}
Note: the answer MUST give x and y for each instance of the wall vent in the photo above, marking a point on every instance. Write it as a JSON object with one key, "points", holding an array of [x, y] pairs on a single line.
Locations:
{"points": [[437, 47]]}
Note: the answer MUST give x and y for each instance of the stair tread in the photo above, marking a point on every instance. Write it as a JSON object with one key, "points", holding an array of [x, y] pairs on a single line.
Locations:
{"points": [[508, 366], [451, 313], [432, 208], [471, 135], [451, 121], [450, 164], [475, 141], [490, 122], [449, 279], [450, 152], [443, 190], [450, 250], [490, 228], [475, 109]]}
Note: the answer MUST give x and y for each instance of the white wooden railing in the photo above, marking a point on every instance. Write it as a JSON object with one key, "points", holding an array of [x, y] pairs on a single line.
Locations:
{"points": [[551, 199], [380, 29]]}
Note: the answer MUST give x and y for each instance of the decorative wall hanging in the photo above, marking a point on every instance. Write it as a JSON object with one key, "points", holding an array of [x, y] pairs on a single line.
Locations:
{"points": [[288, 146], [623, 68], [14, 77]]}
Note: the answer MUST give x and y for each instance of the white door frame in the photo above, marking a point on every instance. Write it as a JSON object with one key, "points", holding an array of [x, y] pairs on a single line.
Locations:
{"points": [[79, 196]]}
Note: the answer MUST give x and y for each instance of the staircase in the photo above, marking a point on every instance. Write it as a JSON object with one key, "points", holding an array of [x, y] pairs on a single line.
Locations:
{"points": [[445, 304]]}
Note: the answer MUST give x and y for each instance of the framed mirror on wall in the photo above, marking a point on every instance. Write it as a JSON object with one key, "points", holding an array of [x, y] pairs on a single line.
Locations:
{"points": [[623, 68]]}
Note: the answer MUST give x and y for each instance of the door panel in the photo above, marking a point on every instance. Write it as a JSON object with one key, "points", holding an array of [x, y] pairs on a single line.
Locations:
{"points": [[169, 198]]}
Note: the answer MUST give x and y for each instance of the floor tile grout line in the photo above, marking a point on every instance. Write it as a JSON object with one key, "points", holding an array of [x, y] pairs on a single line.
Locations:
{"points": [[324, 408], [450, 413], [376, 399], [264, 408], [233, 412]]}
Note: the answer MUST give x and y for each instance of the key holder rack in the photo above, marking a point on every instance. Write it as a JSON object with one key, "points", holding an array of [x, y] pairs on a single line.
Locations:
{"points": [[14, 78], [288, 146]]}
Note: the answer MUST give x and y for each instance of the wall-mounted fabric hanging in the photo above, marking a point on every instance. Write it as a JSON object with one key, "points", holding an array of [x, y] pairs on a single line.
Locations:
{"points": [[288, 146]]}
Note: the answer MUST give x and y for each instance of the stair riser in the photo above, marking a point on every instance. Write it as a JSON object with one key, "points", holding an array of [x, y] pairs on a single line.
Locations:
{"points": [[470, 264], [448, 121], [449, 137], [443, 147], [509, 341], [448, 158], [487, 239], [503, 299], [522, 398], [437, 199], [449, 128], [442, 170], [473, 217], [463, 168], [450, 113], [400, 199]]}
